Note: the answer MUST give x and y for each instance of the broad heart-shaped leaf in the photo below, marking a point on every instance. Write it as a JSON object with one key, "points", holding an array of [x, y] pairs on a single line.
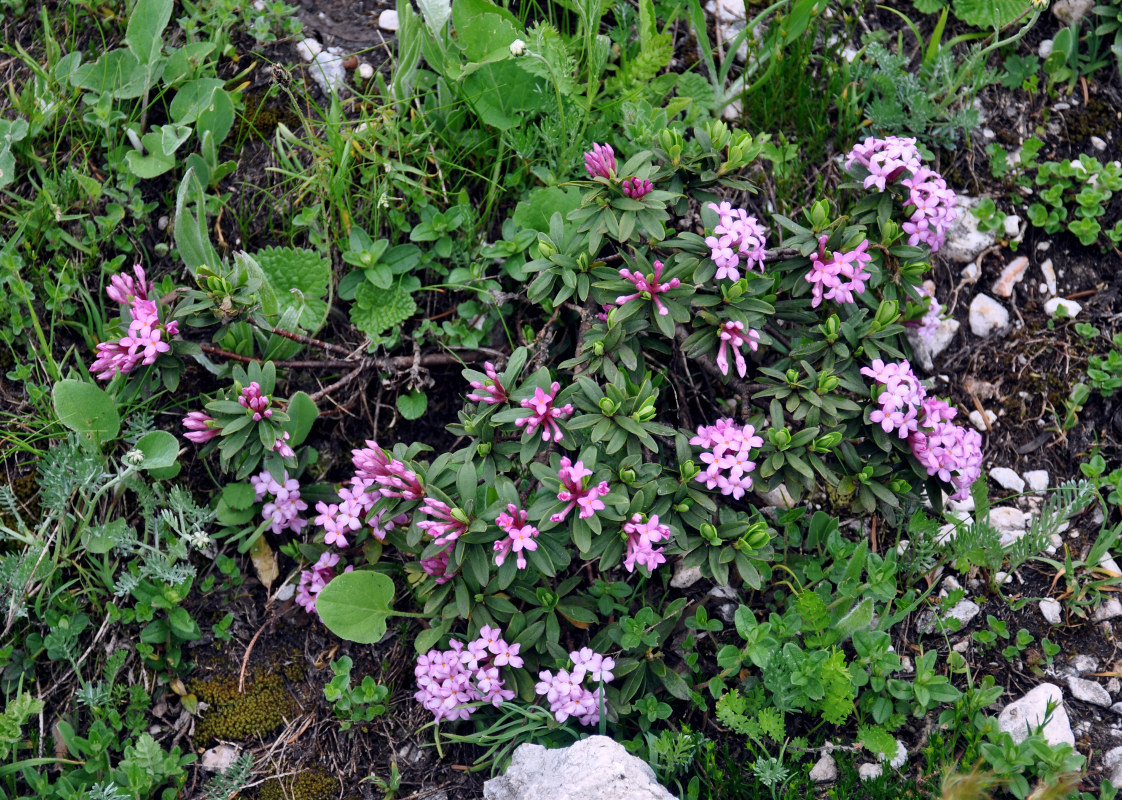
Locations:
{"points": [[354, 605], [289, 268], [145, 30], [989, 13], [483, 27], [375, 311], [160, 449], [117, 72], [193, 98], [155, 163], [500, 92], [412, 405], [87, 410], [535, 211]]}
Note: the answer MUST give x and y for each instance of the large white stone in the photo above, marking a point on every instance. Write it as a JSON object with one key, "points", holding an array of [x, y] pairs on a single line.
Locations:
{"points": [[1032, 711], [778, 497], [1036, 479], [1007, 518], [1089, 692], [596, 768], [1008, 479], [964, 241], [1109, 609], [987, 315], [926, 350], [1051, 610], [685, 577], [825, 770], [869, 771], [388, 20], [219, 759]]}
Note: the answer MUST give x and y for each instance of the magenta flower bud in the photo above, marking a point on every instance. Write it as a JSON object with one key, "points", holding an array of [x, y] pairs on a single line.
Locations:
{"points": [[600, 161], [637, 188], [199, 424]]}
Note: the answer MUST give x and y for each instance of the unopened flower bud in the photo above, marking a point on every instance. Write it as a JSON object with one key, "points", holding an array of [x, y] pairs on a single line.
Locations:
{"points": [[820, 214], [709, 533], [828, 442], [780, 438], [689, 470], [683, 506], [887, 313], [627, 476], [545, 247], [598, 349], [792, 376], [134, 457], [608, 406], [460, 515], [517, 47], [483, 448], [833, 328], [827, 383]]}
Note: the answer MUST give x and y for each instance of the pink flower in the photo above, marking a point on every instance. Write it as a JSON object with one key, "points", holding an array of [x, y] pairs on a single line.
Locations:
{"points": [[256, 402], [885, 159], [564, 692], [544, 413], [736, 236], [840, 276], [728, 459], [437, 567], [575, 493], [448, 525], [520, 536], [637, 188], [199, 424], [735, 334], [651, 285], [394, 478], [490, 390], [283, 512], [600, 161], [450, 681], [124, 289], [641, 538]]}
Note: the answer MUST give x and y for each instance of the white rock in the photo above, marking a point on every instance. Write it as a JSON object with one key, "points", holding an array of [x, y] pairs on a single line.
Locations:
{"points": [[365, 71], [926, 350], [1007, 479], [1045, 48], [869, 771], [1012, 225], [1051, 610], [1007, 518], [964, 240], [733, 111], [1053, 305], [987, 315], [1036, 479], [826, 769], [971, 272], [308, 49], [1003, 578], [326, 68], [1114, 686], [1010, 276], [595, 768], [1084, 663], [1071, 11], [218, 759], [1089, 692], [1108, 563], [388, 20], [898, 760], [1032, 710], [964, 611], [286, 592], [979, 422], [1109, 609], [684, 576], [162, 222], [778, 497], [731, 18], [1043, 246], [1098, 143], [1112, 758]]}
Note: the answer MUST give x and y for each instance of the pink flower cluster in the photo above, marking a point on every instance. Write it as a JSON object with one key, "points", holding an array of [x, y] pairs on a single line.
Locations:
{"points": [[490, 390], [737, 236], [950, 451], [544, 413], [257, 403], [600, 161], [521, 536], [728, 461], [840, 276], [928, 324], [447, 525], [933, 202], [567, 697], [313, 580], [199, 427], [146, 337], [637, 188], [641, 540], [651, 284], [448, 680], [575, 493], [392, 476], [437, 566], [283, 510], [736, 335]]}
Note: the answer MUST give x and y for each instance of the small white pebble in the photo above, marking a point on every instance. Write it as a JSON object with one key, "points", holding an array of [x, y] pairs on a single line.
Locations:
{"points": [[365, 71]]}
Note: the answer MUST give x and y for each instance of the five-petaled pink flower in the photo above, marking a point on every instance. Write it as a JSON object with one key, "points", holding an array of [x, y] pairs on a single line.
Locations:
{"points": [[575, 493], [544, 413], [649, 285]]}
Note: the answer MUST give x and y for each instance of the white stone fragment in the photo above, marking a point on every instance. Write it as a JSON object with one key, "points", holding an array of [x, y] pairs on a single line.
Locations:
{"points": [[1089, 692], [926, 350], [1098, 143], [1010, 276], [964, 241], [987, 315], [308, 49], [1045, 48], [1007, 518], [595, 768], [971, 272], [388, 20], [979, 422], [825, 769], [1083, 663], [1051, 610], [1109, 609], [1053, 305], [218, 759], [365, 71], [1031, 711], [868, 772], [1008, 479], [1112, 758], [684, 576], [1036, 479]]}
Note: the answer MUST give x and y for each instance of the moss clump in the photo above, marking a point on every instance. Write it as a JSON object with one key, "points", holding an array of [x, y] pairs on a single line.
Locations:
{"points": [[236, 716], [311, 785]]}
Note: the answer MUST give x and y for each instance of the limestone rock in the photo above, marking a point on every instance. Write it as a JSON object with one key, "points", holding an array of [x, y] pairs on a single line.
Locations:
{"points": [[1051, 610], [596, 768], [1036, 479], [1070, 307], [1109, 609], [869, 771], [979, 422], [1010, 276], [685, 577], [926, 350], [220, 758], [826, 769], [987, 315], [1070, 12], [388, 20], [964, 241], [1007, 518], [1032, 710], [1049, 273], [1089, 692], [1008, 479]]}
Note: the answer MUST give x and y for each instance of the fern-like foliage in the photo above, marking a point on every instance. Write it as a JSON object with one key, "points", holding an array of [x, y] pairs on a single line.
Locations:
{"points": [[1068, 500], [15, 716], [231, 780]]}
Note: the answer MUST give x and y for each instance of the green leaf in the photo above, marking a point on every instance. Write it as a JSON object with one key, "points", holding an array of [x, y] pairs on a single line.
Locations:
{"points": [[298, 277], [483, 28], [355, 605], [302, 412], [989, 13], [375, 311], [87, 410], [160, 449], [191, 236], [502, 93], [877, 740], [412, 405], [152, 165], [146, 27]]}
